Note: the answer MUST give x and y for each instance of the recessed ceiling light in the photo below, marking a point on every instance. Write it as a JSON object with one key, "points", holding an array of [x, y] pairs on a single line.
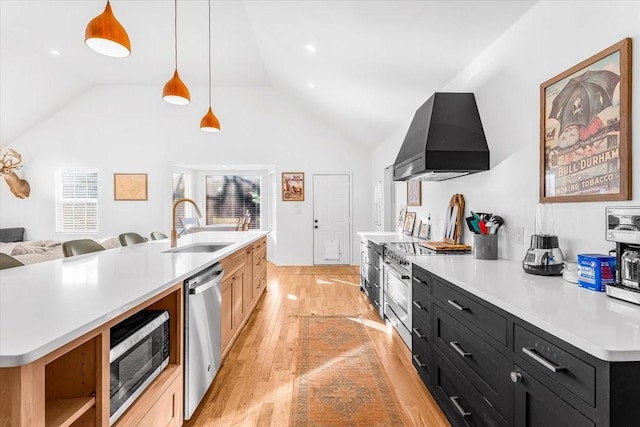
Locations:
{"points": [[54, 52], [311, 85], [311, 48]]}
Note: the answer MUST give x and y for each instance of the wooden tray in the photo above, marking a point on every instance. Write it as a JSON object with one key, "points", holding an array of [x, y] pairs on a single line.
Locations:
{"points": [[444, 246]]}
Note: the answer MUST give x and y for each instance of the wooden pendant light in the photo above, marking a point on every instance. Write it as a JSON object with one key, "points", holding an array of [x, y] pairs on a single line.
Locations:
{"points": [[209, 122], [175, 91], [105, 35]]}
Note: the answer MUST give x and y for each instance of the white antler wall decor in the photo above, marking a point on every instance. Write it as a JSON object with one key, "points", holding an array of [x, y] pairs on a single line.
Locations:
{"points": [[9, 162]]}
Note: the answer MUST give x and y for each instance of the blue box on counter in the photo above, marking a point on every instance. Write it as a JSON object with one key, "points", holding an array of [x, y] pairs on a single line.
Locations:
{"points": [[595, 271]]}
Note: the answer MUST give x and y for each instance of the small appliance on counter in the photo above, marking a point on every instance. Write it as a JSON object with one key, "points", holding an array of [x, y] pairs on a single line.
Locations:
{"points": [[544, 256], [623, 228]]}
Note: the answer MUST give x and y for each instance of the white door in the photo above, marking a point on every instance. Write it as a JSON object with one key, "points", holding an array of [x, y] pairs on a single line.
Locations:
{"points": [[331, 219]]}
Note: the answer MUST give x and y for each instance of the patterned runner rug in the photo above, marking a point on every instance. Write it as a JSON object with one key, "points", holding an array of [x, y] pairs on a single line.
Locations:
{"points": [[328, 269], [339, 380]]}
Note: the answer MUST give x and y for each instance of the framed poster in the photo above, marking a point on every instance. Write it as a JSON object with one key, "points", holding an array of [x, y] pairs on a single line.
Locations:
{"points": [[409, 220], [585, 130], [292, 186], [414, 193], [130, 186]]}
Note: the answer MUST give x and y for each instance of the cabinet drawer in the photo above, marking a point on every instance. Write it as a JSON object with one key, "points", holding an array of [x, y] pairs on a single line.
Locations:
{"points": [[468, 310], [462, 403], [421, 335], [484, 366], [421, 304], [422, 278], [234, 262], [421, 357], [573, 373]]}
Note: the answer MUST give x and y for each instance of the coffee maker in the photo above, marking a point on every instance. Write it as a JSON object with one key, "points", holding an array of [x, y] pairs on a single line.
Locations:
{"points": [[544, 256], [623, 228]]}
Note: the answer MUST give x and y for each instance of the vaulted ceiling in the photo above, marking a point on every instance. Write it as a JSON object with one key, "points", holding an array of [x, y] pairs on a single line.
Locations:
{"points": [[375, 62]]}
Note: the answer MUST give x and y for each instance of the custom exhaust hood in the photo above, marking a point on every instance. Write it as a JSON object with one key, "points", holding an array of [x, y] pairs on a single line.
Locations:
{"points": [[445, 140]]}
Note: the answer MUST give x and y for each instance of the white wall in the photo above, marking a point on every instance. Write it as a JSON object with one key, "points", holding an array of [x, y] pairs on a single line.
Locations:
{"points": [[551, 38], [130, 129]]}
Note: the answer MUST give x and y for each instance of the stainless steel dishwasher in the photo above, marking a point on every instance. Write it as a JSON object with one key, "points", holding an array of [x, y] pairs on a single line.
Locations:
{"points": [[202, 342]]}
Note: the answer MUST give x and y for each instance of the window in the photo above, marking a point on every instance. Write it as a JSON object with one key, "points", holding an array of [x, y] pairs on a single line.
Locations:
{"points": [[229, 197], [181, 188], [77, 201]]}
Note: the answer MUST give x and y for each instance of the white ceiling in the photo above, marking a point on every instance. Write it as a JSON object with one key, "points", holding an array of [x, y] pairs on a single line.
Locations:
{"points": [[376, 62]]}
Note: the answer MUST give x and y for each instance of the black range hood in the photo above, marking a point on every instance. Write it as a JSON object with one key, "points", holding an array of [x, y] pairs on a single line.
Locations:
{"points": [[445, 140]]}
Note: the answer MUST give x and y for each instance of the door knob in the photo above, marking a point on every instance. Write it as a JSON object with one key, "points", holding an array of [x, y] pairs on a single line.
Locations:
{"points": [[315, 220], [315, 226], [516, 377]]}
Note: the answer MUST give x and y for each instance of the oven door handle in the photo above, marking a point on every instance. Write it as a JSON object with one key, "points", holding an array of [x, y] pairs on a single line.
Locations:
{"points": [[399, 274]]}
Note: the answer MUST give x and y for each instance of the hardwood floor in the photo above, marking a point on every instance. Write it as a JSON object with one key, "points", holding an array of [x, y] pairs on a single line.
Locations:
{"points": [[255, 383]]}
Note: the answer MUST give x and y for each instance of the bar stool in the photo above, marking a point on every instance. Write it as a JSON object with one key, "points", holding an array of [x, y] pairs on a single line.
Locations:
{"points": [[7, 261], [127, 239], [158, 235], [80, 246]]}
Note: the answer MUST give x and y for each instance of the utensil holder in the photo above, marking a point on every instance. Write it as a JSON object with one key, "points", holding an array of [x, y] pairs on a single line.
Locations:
{"points": [[485, 246]]}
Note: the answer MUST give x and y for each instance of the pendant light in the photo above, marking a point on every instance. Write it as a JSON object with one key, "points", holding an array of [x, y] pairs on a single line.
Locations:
{"points": [[175, 91], [209, 122], [107, 36]]}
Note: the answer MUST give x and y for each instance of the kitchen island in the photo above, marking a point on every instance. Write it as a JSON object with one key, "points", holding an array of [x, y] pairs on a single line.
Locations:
{"points": [[54, 314]]}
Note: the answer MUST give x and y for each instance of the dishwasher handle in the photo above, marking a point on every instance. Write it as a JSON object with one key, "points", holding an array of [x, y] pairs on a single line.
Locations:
{"points": [[205, 280]]}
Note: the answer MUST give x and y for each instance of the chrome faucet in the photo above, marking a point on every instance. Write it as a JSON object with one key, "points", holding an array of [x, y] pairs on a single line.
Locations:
{"points": [[174, 233]]}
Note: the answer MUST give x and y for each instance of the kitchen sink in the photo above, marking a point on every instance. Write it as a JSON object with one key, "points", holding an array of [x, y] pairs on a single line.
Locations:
{"points": [[199, 247]]}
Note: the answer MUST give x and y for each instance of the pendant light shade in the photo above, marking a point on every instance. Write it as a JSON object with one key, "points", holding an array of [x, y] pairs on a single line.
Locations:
{"points": [[175, 91], [209, 122], [107, 36]]}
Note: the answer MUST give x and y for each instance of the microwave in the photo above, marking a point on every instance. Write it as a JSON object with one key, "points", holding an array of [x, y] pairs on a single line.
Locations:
{"points": [[139, 351]]}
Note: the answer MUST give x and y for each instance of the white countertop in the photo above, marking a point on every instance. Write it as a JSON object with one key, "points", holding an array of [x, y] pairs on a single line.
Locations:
{"points": [[387, 237], [46, 305], [604, 327]]}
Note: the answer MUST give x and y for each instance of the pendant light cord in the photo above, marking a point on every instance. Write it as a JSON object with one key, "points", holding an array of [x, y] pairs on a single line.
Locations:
{"points": [[209, 53], [175, 31]]}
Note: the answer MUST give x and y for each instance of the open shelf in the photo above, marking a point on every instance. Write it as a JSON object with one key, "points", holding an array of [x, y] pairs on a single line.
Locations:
{"points": [[63, 412]]}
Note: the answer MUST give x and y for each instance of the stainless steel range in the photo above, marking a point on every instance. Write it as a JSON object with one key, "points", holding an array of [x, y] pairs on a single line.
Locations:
{"points": [[397, 284]]}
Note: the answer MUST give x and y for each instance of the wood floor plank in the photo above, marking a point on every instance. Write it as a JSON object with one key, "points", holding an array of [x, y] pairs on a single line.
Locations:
{"points": [[254, 386]]}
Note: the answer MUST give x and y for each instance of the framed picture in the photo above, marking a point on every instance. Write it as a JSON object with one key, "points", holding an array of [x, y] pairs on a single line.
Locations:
{"points": [[400, 226], [414, 193], [585, 130], [422, 234], [409, 220], [130, 186], [292, 186], [416, 227]]}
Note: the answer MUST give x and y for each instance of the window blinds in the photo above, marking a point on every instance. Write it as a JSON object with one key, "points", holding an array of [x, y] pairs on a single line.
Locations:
{"points": [[77, 201]]}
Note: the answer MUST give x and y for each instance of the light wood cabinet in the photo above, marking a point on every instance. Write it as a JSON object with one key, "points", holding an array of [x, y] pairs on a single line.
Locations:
{"points": [[245, 279], [70, 386]]}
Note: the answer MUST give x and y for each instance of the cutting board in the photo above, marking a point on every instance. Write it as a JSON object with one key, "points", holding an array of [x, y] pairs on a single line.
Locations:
{"points": [[443, 247], [452, 227]]}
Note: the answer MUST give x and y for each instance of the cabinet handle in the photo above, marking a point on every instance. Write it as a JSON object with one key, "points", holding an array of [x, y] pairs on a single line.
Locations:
{"points": [[516, 377], [418, 306], [454, 400], [418, 362], [418, 334], [404, 277], [457, 306], [530, 351], [420, 281], [376, 303], [376, 285], [458, 349]]}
